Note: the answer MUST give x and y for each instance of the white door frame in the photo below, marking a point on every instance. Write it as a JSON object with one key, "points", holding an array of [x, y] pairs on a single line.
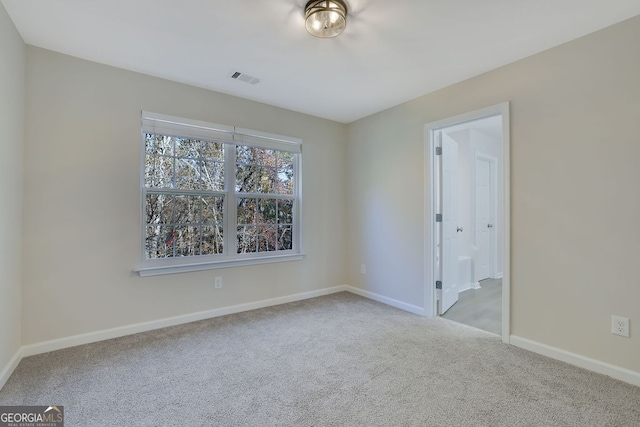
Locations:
{"points": [[430, 293]]}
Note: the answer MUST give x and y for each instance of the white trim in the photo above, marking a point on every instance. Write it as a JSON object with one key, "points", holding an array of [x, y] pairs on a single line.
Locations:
{"points": [[91, 337], [75, 340], [465, 288], [469, 286], [238, 262], [179, 126], [149, 117], [613, 371], [267, 140], [430, 210], [617, 372], [386, 300], [506, 222], [10, 367], [430, 293]]}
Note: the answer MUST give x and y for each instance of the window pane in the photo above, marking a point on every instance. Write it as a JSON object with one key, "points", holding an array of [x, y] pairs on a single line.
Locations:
{"points": [[284, 180], [149, 170], [158, 145], [246, 178], [212, 240], [246, 211], [159, 208], [285, 241], [285, 211], [267, 157], [187, 148], [212, 176], [187, 240], [266, 180], [266, 239], [264, 171], [285, 159], [246, 155], [158, 172], [212, 150], [187, 174], [159, 242], [212, 210], [187, 210], [247, 239], [266, 211]]}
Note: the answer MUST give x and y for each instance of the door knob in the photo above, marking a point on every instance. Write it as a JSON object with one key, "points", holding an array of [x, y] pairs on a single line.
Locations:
{"points": [[489, 225], [459, 229]]}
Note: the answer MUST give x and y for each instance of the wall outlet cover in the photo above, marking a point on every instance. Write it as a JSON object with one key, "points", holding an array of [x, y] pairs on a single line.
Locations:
{"points": [[620, 326]]}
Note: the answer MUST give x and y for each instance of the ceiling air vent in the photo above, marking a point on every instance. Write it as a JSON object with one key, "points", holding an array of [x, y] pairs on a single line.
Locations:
{"points": [[237, 75]]}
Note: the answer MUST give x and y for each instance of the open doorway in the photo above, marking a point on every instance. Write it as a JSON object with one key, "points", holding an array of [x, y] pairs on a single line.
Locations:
{"points": [[467, 237]]}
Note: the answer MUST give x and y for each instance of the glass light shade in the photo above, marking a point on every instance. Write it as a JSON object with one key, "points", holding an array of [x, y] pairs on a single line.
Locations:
{"points": [[325, 18]]}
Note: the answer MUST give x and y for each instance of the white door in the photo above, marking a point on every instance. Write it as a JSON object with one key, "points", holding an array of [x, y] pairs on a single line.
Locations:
{"points": [[483, 218], [449, 223]]}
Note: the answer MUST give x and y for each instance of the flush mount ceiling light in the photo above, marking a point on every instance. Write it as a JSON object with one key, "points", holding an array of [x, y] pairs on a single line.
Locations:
{"points": [[325, 18]]}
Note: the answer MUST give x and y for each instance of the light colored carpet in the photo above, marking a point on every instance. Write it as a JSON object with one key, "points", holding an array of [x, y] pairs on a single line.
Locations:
{"points": [[339, 360]]}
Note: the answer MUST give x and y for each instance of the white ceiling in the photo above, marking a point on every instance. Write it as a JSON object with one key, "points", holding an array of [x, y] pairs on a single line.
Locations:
{"points": [[391, 51]]}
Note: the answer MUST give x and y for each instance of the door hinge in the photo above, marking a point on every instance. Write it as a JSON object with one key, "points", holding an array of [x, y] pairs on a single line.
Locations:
{"points": [[438, 284], [438, 151], [438, 217]]}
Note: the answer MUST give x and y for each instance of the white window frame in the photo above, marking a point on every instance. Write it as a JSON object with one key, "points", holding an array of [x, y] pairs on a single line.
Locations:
{"points": [[231, 136]]}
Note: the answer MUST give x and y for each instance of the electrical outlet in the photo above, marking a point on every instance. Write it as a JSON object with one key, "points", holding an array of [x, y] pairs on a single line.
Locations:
{"points": [[620, 326], [363, 269], [217, 283]]}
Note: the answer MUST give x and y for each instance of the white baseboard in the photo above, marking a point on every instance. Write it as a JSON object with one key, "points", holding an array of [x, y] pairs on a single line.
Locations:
{"points": [[386, 300], [468, 286], [11, 366], [613, 371], [75, 340], [91, 337]]}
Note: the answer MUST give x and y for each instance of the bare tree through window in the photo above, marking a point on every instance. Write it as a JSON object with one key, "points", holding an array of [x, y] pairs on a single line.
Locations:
{"points": [[264, 185], [184, 198], [188, 183]]}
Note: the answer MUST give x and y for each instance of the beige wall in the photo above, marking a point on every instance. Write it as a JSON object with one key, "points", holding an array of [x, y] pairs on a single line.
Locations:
{"points": [[82, 200], [12, 65], [575, 151]]}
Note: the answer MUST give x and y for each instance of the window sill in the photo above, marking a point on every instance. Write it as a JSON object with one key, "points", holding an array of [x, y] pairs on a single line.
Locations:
{"points": [[211, 265]]}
